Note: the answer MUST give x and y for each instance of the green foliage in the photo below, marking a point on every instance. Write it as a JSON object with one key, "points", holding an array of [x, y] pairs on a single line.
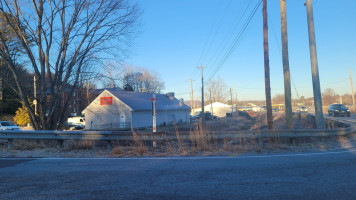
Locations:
{"points": [[11, 101], [22, 117]]}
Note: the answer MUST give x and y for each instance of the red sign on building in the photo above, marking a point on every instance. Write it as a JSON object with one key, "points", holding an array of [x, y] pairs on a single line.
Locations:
{"points": [[106, 101]]}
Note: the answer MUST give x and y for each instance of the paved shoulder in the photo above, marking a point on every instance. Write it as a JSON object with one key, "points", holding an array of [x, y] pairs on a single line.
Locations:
{"points": [[10, 162]]}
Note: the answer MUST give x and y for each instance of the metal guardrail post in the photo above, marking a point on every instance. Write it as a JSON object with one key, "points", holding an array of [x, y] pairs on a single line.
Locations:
{"points": [[60, 144], [9, 143], [109, 145]]}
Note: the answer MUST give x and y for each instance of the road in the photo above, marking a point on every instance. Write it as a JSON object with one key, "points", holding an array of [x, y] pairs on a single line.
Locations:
{"points": [[329, 175], [351, 119]]}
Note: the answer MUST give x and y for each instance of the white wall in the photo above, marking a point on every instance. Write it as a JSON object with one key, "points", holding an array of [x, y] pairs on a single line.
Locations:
{"points": [[144, 118], [101, 117], [217, 111], [97, 116]]}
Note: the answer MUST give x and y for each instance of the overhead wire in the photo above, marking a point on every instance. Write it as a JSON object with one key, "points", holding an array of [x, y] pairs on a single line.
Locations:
{"points": [[216, 31], [236, 42], [228, 36], [280, 53]]}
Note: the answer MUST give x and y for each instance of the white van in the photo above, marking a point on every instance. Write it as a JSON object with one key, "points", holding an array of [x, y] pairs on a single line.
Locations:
{"points": [[6, 126], [76, 122]]}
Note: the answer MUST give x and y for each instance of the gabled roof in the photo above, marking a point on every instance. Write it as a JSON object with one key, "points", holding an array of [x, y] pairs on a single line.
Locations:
{"points": [[141, 100]]}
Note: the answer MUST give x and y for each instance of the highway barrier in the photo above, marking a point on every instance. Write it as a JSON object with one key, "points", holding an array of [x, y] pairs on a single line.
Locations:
{"points": [[109, 136]]}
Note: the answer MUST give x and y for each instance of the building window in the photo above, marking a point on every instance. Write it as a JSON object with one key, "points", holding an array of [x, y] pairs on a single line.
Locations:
{"points": [[73, 94]]}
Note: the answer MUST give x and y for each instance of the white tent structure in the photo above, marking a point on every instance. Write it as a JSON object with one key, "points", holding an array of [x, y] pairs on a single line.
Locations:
{"points": [[217, 109]]}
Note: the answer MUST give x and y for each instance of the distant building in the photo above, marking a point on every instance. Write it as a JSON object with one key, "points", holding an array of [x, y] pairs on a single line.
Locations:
{"points": [[216, 109], [116, 109], [75, 101]]}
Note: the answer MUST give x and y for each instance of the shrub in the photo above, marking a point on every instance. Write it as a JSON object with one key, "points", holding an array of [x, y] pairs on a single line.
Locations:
{"points": [[22, 117]]}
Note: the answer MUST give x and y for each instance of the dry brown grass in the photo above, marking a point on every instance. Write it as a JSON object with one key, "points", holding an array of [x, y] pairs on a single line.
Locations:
{"points": [[139, 147], [117, 150], [32, 144], [200, 140], [79, 145]]}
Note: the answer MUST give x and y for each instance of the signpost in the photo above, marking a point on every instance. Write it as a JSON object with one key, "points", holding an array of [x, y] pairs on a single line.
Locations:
{"points": [[154, 99]]}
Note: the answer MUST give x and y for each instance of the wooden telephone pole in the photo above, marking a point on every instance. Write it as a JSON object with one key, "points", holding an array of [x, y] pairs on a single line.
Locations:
{"points": [[319, 117], [352, 90], [287, 85], [237, 111], [192, 95], [202, 94], [266, 63], [232, 105]]}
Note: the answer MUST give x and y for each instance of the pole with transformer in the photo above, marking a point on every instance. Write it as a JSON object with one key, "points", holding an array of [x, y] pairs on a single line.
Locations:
{"points": [[266, 65], [286, 72], [202, 94], [319, 117]]}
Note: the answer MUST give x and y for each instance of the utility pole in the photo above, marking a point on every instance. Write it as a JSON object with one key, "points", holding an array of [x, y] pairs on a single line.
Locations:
{"points": [[192, 95], [352, 90], [237, 111], [232, 105], [287, 85], [211, 105], [266, 64], [202, 94], [319, 117], [34, 93]]}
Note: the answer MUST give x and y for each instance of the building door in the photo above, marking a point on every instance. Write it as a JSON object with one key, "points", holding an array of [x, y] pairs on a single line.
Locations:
{"points": [[122, 121]]}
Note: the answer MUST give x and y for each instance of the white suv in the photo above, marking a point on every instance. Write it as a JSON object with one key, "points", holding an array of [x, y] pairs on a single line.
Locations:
{"points": [[7, 126]]}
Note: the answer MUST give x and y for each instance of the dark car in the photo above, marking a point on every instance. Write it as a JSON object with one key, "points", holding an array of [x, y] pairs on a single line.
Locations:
{"points": [[338, 110], [198, 115]]}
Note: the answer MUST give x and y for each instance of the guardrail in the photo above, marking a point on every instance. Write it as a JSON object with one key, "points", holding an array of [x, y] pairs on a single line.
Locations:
{"points": [[110, 136]]}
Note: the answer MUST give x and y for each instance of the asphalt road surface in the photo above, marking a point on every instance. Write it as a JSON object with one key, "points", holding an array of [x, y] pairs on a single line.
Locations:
{"points": [[329, 175]]}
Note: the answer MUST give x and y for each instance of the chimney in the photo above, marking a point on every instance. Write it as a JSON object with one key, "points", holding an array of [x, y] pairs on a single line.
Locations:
{"points": [[170, 95]]}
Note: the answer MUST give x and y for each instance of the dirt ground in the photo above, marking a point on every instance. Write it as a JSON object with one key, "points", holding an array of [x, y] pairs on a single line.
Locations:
{"points": [[203, 146]]}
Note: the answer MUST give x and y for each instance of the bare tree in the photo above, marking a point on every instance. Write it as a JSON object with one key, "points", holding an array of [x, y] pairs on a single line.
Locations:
{"points": [[278, 99], [219, 91], [329, 96], [138, 79], [60, 38]]}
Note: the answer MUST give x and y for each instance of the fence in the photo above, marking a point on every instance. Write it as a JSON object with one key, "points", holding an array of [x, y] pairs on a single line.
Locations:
{"points": [[113, 126]]}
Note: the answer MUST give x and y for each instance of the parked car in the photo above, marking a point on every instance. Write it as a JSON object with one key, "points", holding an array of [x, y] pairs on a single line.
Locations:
{"points": [[302, 109], [76, 123], [198, 115], [338, 110], [7, 126]]}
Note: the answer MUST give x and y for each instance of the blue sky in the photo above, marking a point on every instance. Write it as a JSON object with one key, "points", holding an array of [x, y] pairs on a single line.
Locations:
{"points": [[177, 36]]}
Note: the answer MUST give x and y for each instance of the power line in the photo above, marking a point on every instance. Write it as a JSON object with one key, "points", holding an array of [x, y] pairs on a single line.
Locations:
{"points": [[238, 37], [237, 40], [228, 36], [216, 31]]}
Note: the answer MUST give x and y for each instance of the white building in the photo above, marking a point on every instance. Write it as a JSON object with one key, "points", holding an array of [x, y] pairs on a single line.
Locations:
{"points": [[116, 109], [217, 109]]}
